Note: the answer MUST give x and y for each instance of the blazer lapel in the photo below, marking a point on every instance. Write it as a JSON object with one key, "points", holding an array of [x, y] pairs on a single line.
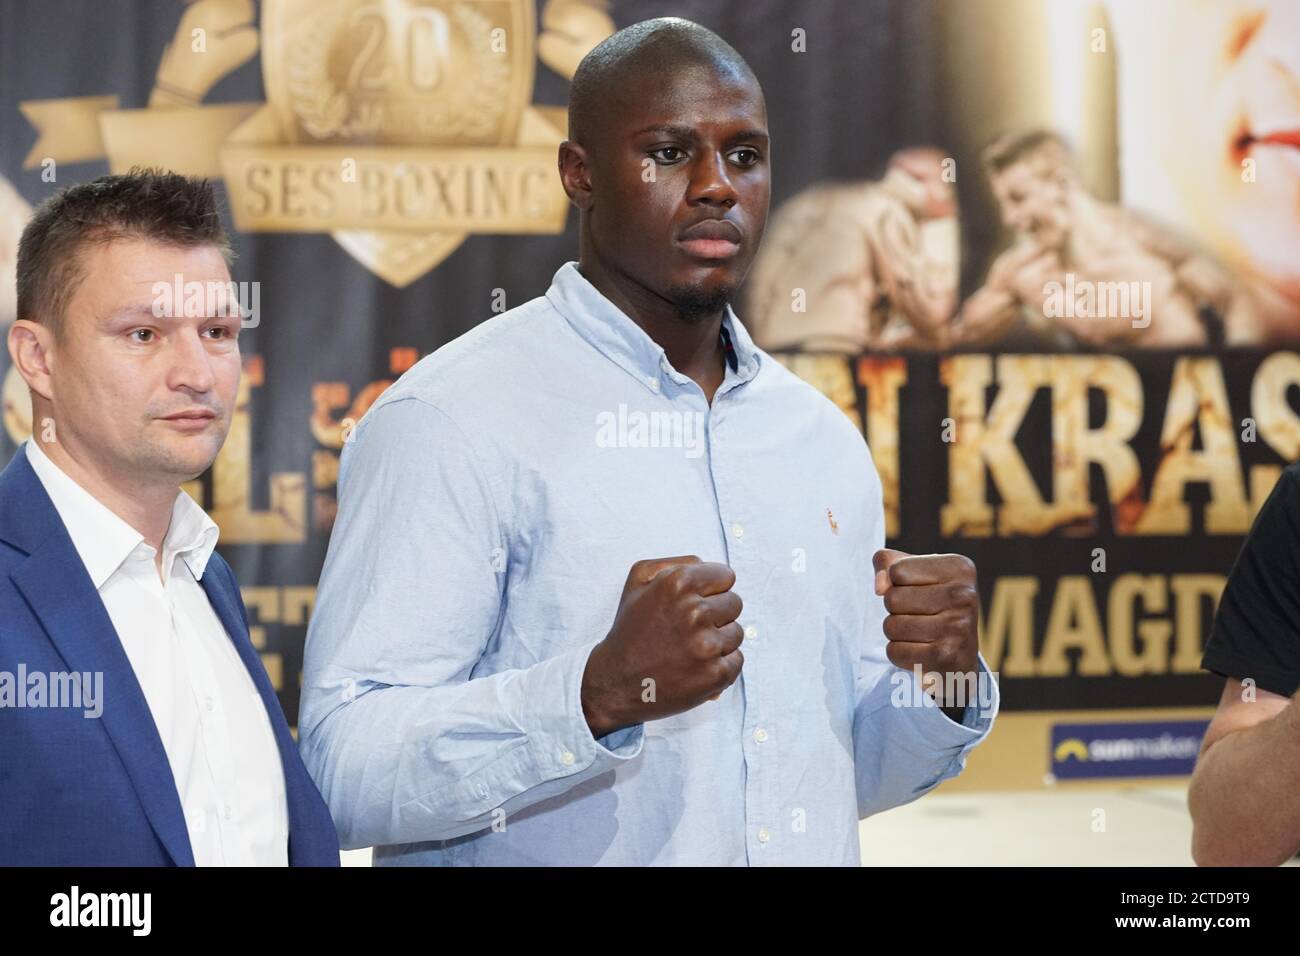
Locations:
{"points": [[61, 595]]}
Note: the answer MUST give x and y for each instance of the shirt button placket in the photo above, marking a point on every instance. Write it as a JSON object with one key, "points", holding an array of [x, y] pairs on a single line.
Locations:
{"points": [[738, 534]]}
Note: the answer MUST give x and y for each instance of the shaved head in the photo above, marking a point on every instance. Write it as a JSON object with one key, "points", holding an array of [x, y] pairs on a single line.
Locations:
{"points": [[637, 59]]}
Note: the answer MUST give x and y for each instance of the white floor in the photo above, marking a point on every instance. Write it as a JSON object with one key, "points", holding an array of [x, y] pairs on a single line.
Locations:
{"points": [[1120, 826]]}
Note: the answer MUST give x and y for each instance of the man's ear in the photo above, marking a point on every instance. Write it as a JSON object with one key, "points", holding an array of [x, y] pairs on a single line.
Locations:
{"points": [[30, 350], [575, 174]]}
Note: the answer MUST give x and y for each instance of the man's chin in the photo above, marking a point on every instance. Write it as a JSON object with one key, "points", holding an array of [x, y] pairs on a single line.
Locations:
{"points": [[700, 301], [184, 457]]}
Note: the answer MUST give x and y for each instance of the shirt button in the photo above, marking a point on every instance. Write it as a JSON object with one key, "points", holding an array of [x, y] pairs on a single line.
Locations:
{"points": [[654, 383], [751, 632], [760, 735], [763, 835], [209, 703], [567, 759], [738, 530], [228, 812]]}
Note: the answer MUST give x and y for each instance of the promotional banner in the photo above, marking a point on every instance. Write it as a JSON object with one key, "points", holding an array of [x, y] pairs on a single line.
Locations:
{"points": [[1044, 255]]}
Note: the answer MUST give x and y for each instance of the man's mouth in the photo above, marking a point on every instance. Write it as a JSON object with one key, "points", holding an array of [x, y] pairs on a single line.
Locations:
{"points": [[194, 419], [711, 239]]}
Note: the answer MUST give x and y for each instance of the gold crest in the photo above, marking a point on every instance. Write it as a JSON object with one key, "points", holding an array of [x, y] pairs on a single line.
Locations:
{"points": [[401, 127], [413, 111], [399, 72]]}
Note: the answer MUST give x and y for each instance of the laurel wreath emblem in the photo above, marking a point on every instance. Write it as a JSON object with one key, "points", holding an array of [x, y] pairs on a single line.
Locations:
{"points": [[324, 110], [320, 107]]}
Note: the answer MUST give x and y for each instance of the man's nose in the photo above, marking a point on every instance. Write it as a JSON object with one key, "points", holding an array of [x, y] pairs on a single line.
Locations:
{"points": [[710, 182], [190, 365]]}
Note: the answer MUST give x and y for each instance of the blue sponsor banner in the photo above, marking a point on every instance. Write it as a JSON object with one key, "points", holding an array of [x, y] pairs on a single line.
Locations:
{"points": [[1128, 749]]}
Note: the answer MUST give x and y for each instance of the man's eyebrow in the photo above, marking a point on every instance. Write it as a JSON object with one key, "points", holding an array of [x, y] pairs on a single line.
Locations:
{"points": [[681, 132], [129, 311], [147, 311], [689, 133]]}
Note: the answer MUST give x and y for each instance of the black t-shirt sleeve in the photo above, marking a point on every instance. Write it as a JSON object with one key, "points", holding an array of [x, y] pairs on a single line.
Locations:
{"points": [[1256, 631]]}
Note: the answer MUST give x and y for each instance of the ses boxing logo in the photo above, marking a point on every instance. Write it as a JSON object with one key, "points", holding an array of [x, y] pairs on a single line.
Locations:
{"points": [[1146, 749], [399, 127]]}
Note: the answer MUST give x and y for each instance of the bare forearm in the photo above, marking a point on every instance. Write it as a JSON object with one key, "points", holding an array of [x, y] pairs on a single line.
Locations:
{"points": [[987, 315], [923, 292], [1243, 795]]}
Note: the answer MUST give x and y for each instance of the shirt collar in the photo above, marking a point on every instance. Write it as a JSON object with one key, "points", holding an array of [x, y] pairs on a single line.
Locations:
{"points": [[606, 327], [103, 540]]}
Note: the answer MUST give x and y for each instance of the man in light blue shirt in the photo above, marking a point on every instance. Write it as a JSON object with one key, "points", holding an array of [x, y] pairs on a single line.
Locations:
{"points": [[504, 668]]}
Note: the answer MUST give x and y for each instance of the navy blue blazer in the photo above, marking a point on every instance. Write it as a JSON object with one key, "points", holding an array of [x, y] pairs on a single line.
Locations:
{"points": [[98, 791]]}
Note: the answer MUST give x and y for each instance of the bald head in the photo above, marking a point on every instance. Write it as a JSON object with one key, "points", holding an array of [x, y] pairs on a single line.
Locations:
{"points": [[633, 61]]}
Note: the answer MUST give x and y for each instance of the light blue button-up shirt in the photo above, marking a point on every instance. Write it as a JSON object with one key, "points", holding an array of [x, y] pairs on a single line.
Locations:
{"points": [[491, 504]]}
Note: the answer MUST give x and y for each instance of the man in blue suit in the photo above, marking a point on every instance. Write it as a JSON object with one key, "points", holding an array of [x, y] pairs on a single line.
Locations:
{"points": [[137, 725]]}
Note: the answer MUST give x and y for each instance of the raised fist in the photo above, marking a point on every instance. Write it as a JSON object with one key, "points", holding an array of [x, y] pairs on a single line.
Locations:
{"points": [[675, 643]]}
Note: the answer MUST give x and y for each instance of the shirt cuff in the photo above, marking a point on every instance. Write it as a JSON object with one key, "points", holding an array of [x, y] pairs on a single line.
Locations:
{"points": [[570, 747], [935, 730]]}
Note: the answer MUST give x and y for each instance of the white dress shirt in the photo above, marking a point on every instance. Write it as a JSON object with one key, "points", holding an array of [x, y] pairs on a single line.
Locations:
{"points": [[212, 721]]}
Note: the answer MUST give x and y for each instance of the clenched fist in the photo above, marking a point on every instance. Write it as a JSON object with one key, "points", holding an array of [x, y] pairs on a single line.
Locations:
{"points": [[676, 627], [933, 617], [570, 30], [213, 39]]}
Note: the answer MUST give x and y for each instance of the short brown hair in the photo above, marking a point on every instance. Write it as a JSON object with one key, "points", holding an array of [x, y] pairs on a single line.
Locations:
{"points": [[1012, 147], [141, 204]]}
